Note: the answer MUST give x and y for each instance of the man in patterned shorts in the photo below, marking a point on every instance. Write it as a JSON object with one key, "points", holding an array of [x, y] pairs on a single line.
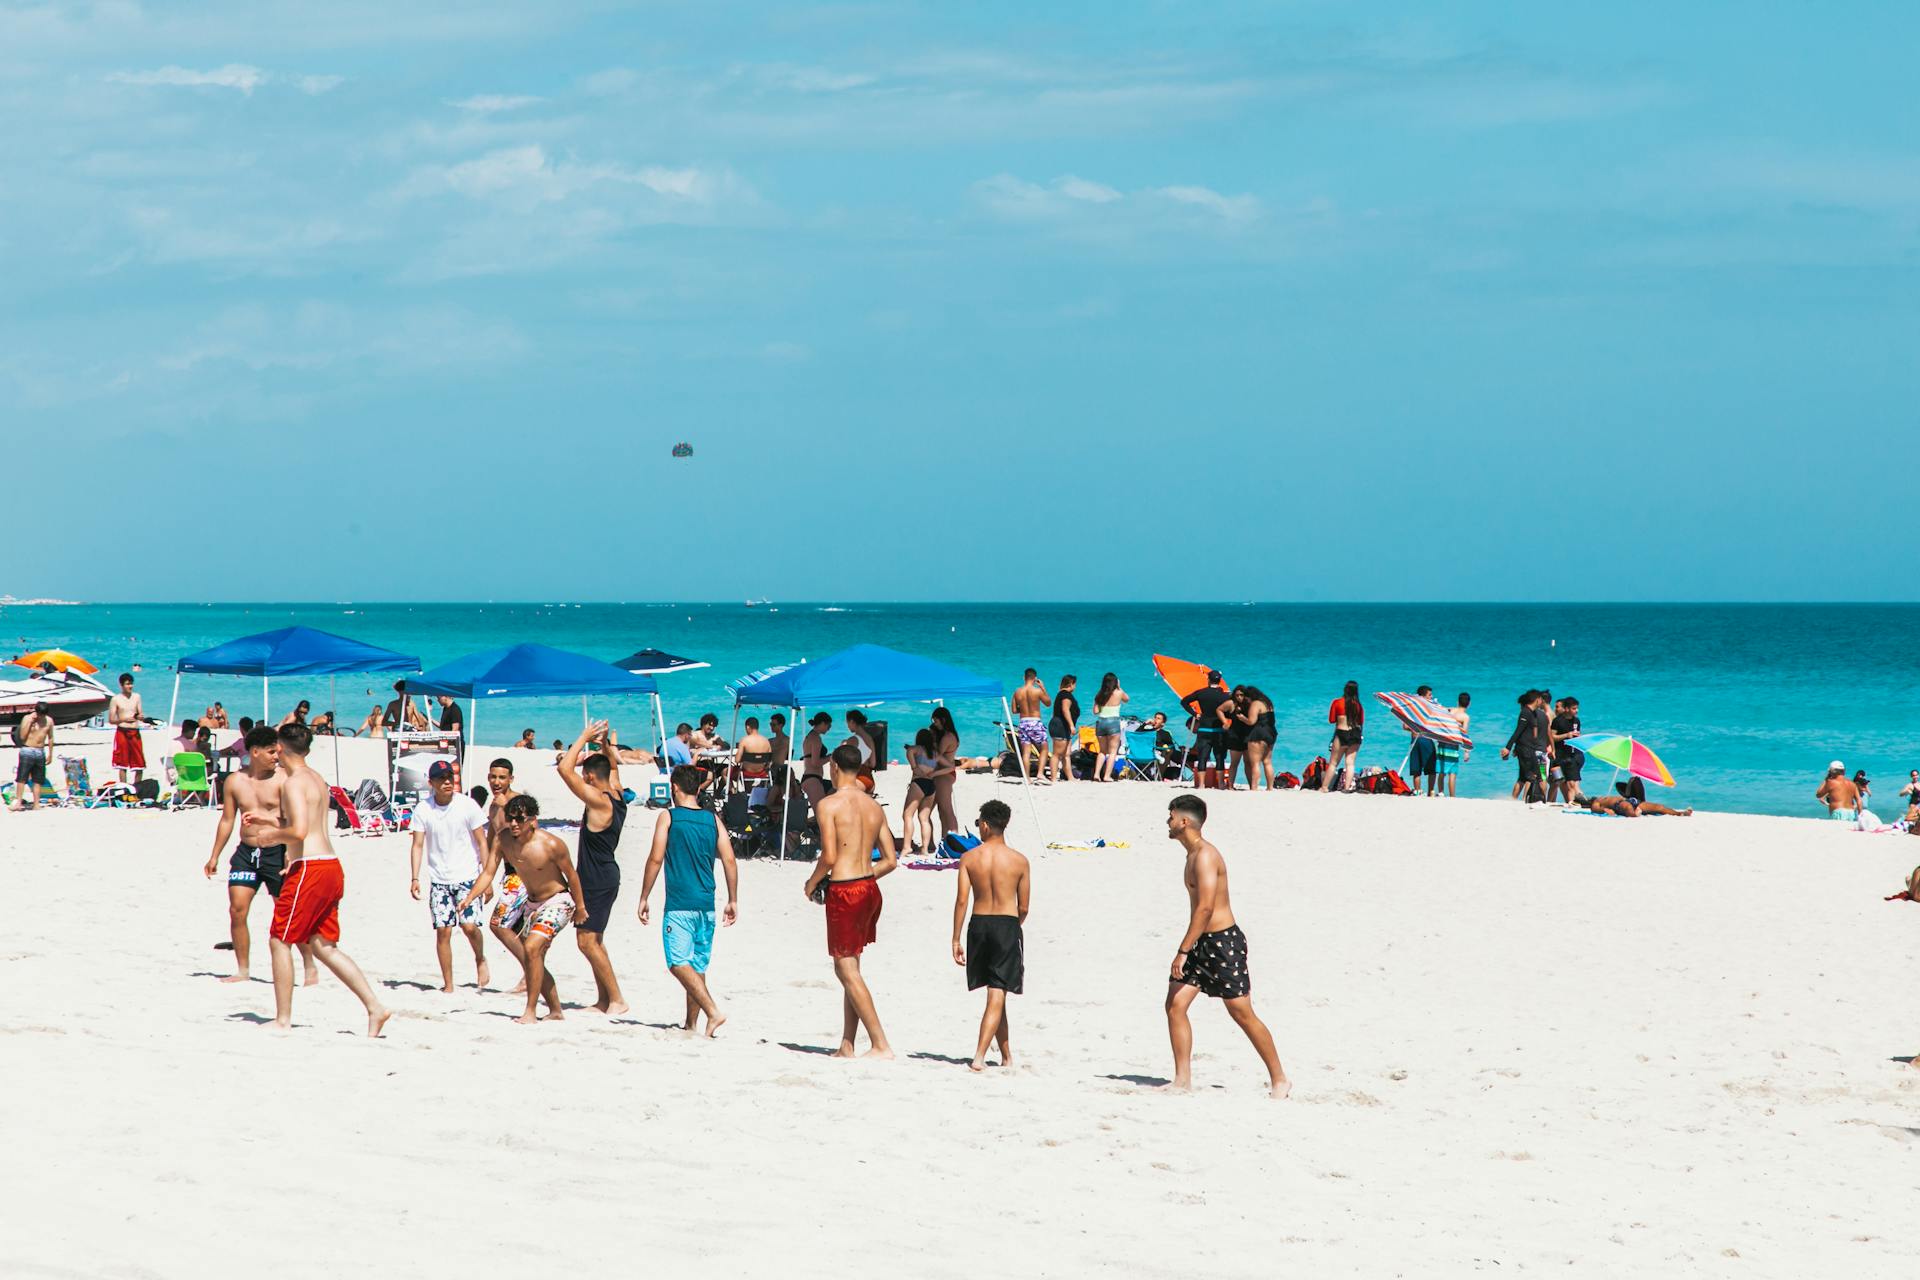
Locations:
{"points": [[1212, 959], [553, 895], [446, 831]]}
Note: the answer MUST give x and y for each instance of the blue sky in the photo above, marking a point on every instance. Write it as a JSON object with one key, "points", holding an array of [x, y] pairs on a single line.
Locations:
{"points": [[963, 301]]}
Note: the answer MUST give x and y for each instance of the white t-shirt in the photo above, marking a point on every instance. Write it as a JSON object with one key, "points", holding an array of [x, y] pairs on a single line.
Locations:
{"points": [[448, 829]]}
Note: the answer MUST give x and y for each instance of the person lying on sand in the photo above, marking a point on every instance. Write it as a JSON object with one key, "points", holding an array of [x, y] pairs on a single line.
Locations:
{"points": [[1628, 807]]}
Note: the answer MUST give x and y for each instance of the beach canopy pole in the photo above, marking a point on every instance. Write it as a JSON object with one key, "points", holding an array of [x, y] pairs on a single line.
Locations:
{"points": [[266, 706], [174, 710], [786, 802], [1026, 783]]}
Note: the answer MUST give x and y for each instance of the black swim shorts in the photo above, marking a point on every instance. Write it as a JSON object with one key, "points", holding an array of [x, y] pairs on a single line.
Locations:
{"points": [[259, 868], [602, 887], [996, 954], [1217, 965]]}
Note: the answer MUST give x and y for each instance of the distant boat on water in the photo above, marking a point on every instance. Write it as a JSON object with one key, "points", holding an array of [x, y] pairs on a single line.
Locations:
{"points": [[755, 604]]}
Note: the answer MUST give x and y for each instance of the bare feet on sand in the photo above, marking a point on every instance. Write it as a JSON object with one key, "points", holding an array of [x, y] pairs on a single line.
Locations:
{"points": [[1281, 1088], [519, 988], [237, 977], [482, 975], [526, 1019], [714, 1025], [376, 1023], [447, 990], [611, 1010], [313, 978]]}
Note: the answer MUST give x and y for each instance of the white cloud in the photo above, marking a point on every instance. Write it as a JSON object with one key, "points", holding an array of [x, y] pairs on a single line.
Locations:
{"points": [[1080, 189], [234, 75], [1236, 208], [1071, 199], [488, 103], [528, 176]]}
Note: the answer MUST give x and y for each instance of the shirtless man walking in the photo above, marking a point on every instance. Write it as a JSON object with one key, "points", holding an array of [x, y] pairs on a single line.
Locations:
{"points": [[997, 877], [1212, 959], [254, 792], [852, 826], [308, 908], [597, 784], [125, 714], [553, 894], [36, 748], [1030, 733]]}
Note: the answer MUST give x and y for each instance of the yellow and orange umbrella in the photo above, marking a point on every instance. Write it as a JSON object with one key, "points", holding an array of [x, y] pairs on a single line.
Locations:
{"points": [[58, 659]]}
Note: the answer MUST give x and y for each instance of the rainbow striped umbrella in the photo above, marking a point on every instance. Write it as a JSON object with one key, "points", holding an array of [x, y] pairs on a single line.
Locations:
{"points": [[1623, 752], [1424, 718]]}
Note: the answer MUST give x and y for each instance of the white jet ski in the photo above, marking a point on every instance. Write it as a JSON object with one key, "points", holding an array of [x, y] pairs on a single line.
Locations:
{"points": [[70, 697]]}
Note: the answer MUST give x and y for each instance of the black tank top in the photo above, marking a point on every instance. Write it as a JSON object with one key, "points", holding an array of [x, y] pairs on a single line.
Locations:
{"points": [[596, 847], [1060, 706]]}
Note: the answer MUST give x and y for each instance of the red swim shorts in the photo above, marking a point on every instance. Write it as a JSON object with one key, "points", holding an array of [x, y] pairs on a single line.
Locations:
{"points": [[128, 751], [853, 911], [309, 902]]}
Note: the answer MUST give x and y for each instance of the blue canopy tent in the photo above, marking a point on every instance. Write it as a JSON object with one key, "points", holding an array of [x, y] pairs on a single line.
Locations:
{"points": [[527, 671], [290, 651], [653, 662], [869, 673]]}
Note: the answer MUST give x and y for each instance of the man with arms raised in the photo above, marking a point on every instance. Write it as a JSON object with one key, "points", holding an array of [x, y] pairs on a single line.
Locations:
{"points": [[597, 784], [253, 792], [852, 826], [553, 892], [996, 875], [125, 713], [686, 840], [308, 908], [1212, 959], [446, 831]]}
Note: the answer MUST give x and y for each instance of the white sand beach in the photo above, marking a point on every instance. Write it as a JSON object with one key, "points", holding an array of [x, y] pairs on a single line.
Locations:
{"points": [[1520, 1041]]}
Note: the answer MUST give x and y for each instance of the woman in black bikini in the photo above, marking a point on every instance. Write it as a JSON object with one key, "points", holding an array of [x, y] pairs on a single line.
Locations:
{"points": [[916, 814], [946, 747], [1063, 729], [1256, 714]]}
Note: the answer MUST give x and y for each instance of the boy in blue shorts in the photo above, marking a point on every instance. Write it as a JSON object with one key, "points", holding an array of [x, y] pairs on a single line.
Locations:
{"points": [[686, 840]]}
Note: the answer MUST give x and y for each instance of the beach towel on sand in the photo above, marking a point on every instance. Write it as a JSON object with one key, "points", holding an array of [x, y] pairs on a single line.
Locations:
{"points": [[1096, 842]]}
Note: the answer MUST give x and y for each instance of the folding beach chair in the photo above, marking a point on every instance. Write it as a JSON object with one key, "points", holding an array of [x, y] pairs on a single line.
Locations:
{"points": [[1141, 760], [80, 785], [356, 821], [189, 780]]}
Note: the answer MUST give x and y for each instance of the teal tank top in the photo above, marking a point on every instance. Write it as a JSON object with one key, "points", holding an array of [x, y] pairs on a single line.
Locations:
{"points": [[693, 842]]}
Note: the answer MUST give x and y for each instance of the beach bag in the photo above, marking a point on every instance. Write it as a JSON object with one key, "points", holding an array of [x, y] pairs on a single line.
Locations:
{"points": [[1391, 783], [1286, 781], [954, 845], [1314, 776], [368, 797]]}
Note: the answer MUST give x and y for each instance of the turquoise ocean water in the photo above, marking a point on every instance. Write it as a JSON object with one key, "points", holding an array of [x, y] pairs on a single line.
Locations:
{"points": [[1746, 703]]}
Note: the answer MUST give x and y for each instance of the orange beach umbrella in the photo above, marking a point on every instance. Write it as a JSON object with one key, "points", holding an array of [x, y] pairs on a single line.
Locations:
{"points": [[58, 659], [1183, 677]]}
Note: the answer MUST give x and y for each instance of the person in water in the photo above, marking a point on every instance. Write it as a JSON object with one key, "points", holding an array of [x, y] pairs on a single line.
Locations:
{"points": [[1839, 794]]}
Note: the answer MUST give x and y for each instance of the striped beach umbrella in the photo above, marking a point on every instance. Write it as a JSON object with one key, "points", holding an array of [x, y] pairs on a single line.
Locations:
{"points": [[1623, 752], [1424, 718]]}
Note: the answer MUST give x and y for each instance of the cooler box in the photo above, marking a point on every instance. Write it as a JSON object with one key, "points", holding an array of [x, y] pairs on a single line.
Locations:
{"points": [[656, 790]]}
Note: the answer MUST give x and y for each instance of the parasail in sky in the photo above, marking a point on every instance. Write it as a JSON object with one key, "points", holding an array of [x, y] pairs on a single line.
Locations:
{"points": [[683, 450]]}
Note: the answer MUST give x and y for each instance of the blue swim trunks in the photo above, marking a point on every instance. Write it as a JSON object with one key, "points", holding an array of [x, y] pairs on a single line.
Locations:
{"points": [[688, 937]]}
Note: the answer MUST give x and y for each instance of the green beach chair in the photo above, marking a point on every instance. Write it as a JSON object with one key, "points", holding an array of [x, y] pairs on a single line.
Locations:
{"points": [[190, 779]]}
